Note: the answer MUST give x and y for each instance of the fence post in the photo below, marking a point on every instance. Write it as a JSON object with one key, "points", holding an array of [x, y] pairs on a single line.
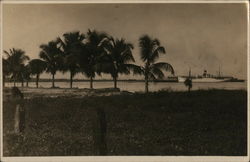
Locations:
{"points": [[19, 118], [99, 132]]}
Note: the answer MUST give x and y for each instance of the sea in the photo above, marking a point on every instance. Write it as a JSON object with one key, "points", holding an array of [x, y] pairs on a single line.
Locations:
{"points": [[140, 86]]}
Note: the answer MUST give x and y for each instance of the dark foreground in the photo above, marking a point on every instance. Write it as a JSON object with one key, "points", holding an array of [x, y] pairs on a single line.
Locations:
{"points": [[211, 122]]}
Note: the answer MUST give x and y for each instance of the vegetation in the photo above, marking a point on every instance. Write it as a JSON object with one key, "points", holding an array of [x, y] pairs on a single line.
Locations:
{"points": [[51, 55], [14, 64], [37, 66], [150, 51], [160, 123], [116, 59], [188, 83], [6, 70], [26, 72], [72, 46], [92, 54]]}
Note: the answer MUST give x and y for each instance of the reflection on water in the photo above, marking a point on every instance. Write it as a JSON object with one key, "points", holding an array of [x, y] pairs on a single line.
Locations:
{"points": [[139, 86]]}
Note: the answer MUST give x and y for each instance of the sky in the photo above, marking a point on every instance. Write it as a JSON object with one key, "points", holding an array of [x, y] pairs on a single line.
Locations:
{"points": [[197, 36]]}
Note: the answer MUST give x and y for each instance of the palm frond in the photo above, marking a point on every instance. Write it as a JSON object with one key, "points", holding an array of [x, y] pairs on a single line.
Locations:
{"points": [[164, 66], [157, 72], [7, 53], [145, 44], [51, 54], [136, 69], [152, 76], [156, 52]]}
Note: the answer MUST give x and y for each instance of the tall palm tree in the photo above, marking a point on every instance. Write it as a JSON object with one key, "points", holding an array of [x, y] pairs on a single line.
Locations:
{"points": [[6, 70], [92, 52], [37, 67], [150, 51], [71, 49], [117, 58], [16, 59], [51, 54]]}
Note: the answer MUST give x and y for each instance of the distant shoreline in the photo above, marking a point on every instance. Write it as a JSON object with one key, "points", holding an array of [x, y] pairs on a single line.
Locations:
{"points": [[121, 80], [98, 80]]}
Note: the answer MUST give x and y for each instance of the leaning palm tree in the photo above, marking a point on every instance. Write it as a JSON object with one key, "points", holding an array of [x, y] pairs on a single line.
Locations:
{"points": [[91, 54], [117, 59], [16, 59], [150, 51], [71, 49], [37, 66], [51, 54]]}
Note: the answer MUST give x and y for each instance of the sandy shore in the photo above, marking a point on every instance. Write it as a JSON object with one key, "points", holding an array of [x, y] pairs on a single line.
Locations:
{"points": [[64, 92]]}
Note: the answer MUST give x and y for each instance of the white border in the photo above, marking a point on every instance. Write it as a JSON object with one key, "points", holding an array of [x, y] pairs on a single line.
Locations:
{"points": [[128, 159], [123, 158], [248, 83], [1, 76], [116, 1]]}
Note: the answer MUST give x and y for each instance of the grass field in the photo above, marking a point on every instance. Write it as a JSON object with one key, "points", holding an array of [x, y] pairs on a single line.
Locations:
{"points": [[204, 122]]}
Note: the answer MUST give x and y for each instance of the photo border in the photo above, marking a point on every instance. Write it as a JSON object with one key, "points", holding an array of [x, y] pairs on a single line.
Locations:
{"points": [[122, 158]]}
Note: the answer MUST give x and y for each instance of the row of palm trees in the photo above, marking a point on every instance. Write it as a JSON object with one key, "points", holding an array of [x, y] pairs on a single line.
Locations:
{"points": [[92, 54]]}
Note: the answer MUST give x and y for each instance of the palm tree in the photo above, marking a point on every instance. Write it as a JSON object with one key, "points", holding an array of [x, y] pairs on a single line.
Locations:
{"points": [[92, 52], [117, 58], [26, 72], [20, 75], [37, 66], [150, 51], [6, 70], [16, 59], [71, 49], [188, 83], [51, 54]]}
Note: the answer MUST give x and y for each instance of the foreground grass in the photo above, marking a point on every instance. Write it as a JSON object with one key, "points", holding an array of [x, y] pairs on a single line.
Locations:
{"points": [[211, 122]]}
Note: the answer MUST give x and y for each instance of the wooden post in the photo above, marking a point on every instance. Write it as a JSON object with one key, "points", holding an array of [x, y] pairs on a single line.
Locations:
{"points": [[19, 118], [99, 132]]}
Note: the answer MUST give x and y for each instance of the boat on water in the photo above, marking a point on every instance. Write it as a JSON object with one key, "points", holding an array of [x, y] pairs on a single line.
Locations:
{"points": [[204, 80], [208, 78]]}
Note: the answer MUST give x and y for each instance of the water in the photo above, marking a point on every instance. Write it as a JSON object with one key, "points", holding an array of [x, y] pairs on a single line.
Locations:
{"points": [[139, 86]]}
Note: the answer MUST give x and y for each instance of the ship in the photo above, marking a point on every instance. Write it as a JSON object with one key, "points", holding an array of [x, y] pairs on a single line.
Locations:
{"points": [[208, 78]]}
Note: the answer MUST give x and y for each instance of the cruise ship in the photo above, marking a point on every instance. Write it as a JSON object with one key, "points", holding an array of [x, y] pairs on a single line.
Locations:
{"points": [[205, 77]]}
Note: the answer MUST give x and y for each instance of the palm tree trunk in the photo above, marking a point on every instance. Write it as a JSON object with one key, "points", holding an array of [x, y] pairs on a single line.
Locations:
{"points": [[53, 80], [115, 82], [27, 83], [91, 82], [14, 82], [71, 79], [37, 79], [146, 83]]}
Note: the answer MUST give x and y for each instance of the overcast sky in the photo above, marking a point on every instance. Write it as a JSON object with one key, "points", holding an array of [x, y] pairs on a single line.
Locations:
{"points": [[199, 36]]}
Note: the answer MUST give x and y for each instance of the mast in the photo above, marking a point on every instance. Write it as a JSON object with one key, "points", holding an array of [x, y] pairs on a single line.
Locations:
{"points": [[189, 73]]}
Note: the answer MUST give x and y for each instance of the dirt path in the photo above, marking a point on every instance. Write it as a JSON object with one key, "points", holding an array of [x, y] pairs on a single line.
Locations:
{"points": [[65, 92]]}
